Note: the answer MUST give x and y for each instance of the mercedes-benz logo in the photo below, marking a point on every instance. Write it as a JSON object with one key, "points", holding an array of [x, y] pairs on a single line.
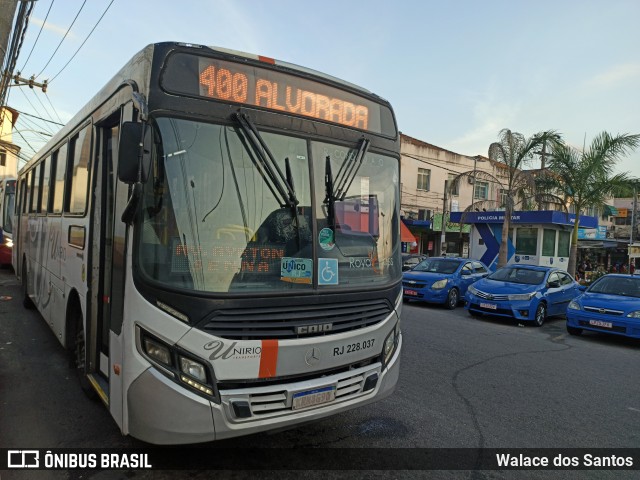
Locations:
{"points": [[312, 357]]}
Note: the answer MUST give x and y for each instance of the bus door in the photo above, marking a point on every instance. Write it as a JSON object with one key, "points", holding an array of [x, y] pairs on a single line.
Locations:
{"points": [[108, 263]]}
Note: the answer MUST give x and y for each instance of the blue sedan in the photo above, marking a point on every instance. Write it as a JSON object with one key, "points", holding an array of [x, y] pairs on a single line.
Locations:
{"points": [[523, 292], [611, 304], [442, 279]]}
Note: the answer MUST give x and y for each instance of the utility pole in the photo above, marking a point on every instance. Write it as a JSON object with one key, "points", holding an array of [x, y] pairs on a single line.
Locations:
{"points": [[633, 221], [29, 82], [443, 226]]}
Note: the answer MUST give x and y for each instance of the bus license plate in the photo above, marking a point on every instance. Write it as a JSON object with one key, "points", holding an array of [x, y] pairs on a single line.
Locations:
{"points": [[314, 397], [600, 323], [491, 306], [410, 293]]}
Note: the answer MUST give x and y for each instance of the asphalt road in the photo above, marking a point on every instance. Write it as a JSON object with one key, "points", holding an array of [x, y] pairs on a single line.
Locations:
{"points": [[464, 383]]}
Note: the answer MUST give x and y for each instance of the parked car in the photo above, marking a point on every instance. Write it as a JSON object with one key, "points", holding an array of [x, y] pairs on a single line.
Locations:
{"points": [[611, 304], [442, 279], [411, 260], [523, 292]]}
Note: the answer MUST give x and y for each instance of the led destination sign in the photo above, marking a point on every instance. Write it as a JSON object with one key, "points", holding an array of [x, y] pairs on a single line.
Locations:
{"points": [[274, 90]]}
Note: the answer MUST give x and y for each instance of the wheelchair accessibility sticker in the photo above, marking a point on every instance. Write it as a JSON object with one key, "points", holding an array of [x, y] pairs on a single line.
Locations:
{"points": [[327, 271]]}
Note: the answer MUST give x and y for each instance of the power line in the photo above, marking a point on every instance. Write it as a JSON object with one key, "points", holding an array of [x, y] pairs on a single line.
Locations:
{"points": [[85, 40], [25, 140], [42, 103], [39, 118], [65, 36], [41, 27], [30, 103], [33, 125], [46, 95]]}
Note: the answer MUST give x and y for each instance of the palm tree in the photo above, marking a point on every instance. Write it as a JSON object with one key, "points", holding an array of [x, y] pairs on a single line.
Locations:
{"points": [[586, 178], [511, 153]]}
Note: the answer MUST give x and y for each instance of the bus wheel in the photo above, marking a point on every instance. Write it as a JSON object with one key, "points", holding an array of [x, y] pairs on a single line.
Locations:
{"points": [[26, 300], [78, 352]]}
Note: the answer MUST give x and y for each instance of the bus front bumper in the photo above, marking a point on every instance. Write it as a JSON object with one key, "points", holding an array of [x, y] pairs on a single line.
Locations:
{"points": [[162, 412]]}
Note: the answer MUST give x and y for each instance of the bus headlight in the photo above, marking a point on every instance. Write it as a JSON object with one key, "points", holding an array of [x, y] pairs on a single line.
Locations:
{"points": [[193, 368], [173, 362], [390, 344], [8, 242], [157, 351]]}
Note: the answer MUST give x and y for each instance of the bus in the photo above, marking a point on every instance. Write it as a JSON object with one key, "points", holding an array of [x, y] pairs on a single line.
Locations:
{"points": [[214, 239], [7, 205]]}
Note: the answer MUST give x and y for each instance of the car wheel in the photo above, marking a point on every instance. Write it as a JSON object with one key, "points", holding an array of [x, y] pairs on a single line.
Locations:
{"points": [[541, 314], [574, 331], [452, 299]]}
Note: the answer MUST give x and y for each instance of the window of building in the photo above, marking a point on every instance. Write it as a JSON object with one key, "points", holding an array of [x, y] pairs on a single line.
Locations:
{"points": [[564, 244], [77, 180], [548, 242], [481, 190], [3, 158], [527, 241], [502, 197], [456, 190], [424, 179]]}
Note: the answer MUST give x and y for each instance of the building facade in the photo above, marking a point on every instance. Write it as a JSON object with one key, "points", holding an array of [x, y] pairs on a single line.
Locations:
{"points": [[8, 150]]}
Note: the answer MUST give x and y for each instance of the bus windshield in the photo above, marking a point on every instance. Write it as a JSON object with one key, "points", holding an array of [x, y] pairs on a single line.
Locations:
{"points": [[213, 219]]}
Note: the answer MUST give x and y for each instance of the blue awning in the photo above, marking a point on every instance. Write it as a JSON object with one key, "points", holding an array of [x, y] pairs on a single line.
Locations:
{"points": [[417, 223]]}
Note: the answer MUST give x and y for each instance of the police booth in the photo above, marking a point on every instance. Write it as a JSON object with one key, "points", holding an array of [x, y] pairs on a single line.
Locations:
{"points": [[535, 237]]}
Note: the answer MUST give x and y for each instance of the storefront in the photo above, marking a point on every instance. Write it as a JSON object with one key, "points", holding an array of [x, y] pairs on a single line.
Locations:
{"points": [[410, 235], [535, 238]]}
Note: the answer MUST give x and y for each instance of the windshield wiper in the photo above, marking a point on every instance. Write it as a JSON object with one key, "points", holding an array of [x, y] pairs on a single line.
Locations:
{"points": [[349, 170], [280, 186], [336, 190]]}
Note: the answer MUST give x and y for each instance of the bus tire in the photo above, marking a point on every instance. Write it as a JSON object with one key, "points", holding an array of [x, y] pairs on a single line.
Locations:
{"points": [[77, 349], [26, 300]]}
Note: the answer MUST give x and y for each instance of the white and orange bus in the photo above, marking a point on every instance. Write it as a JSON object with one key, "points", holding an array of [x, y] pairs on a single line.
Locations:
{"points": [[215, 240], [7, 206]]}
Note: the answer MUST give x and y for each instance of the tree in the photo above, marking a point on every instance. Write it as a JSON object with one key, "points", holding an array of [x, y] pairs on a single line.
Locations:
{"points": [[585, 178], [511, 153]]}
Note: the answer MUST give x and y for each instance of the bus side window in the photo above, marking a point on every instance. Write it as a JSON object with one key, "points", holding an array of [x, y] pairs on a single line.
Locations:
{"points": [[31, 181], [58, 170], [44, 187], [77, 182]]}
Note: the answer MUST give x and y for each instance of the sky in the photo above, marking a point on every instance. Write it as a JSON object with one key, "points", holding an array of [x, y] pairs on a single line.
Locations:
{"points": [[455, 72]]}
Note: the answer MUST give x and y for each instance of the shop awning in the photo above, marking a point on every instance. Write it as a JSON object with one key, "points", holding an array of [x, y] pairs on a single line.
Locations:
{"points": [[405, 235], [610, 210]]}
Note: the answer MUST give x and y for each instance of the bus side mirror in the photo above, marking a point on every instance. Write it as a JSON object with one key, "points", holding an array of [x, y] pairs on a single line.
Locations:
{"points": [[129, 149]]}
